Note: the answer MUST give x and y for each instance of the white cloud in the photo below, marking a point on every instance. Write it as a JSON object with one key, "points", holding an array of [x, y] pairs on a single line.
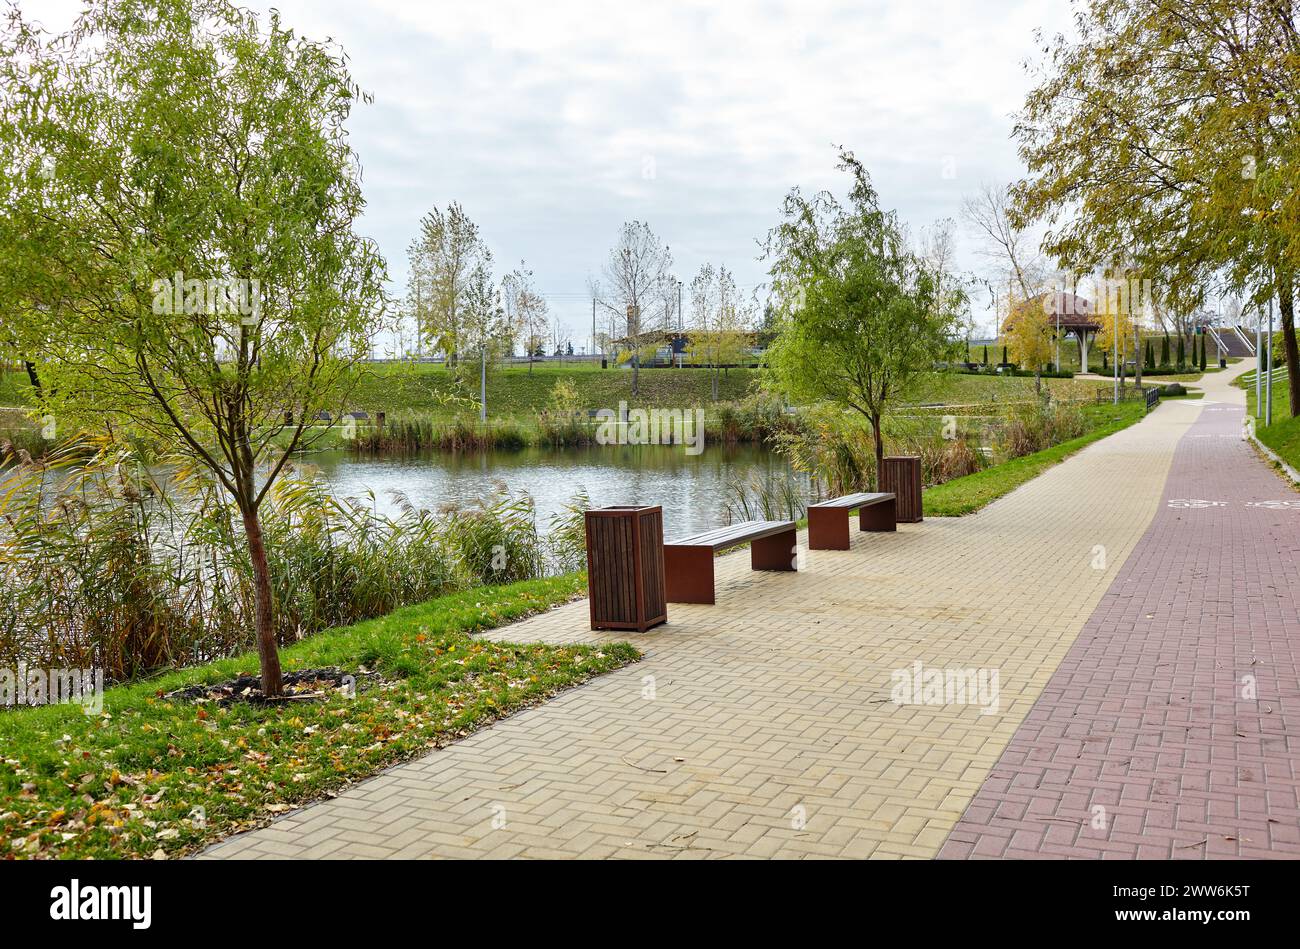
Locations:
{"points": [[543, 118]]}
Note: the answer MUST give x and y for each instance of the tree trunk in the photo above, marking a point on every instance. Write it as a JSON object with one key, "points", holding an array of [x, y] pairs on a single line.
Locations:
{"points": [[715, 384], [268, 653], [1286, 306], [636, 369], [33, 377], [1038, 380], [482, 384], [880, 447], [1138, 357]]}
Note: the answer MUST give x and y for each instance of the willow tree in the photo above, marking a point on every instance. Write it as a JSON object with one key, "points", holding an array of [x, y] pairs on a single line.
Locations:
{"points": [[179, 198], [1169, 129], [862, 315]]}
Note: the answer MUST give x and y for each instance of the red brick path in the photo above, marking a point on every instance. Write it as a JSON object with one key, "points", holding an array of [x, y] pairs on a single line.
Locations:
{"points": [[1148, 715]]}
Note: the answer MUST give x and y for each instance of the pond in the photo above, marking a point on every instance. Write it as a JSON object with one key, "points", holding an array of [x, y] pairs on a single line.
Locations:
{"points": [[692, 489]]}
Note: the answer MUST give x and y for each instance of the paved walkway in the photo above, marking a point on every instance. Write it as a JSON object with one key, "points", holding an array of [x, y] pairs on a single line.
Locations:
{"points": [[765, 726], [1172, 728]]}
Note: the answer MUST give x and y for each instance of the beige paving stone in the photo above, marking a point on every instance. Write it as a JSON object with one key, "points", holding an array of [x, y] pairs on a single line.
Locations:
{"points": [[780, 696]]}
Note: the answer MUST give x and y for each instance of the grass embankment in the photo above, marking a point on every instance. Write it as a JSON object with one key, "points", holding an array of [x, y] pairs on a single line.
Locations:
{"points": [[1283, 436], [959, 388], [127, 783], [514, 392], [968, 494]]}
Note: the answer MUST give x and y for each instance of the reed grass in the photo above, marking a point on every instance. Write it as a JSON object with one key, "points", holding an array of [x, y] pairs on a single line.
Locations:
{"points": [[107, 561]]}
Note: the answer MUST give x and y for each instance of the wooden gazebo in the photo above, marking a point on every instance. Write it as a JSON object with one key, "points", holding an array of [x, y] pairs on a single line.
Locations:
{"points": [[1073, 314]]}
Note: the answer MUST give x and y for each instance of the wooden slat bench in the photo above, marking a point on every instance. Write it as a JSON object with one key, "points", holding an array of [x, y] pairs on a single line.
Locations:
{"points": [[828, 521], [688, 561]]}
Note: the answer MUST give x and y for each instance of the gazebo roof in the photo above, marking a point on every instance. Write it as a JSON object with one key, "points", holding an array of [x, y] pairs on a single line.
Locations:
{"points": [[1072, 312]]}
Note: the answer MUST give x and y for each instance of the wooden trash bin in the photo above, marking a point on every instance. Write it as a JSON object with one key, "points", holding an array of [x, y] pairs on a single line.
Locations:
{"points": [[900, 475], [625, 567]]}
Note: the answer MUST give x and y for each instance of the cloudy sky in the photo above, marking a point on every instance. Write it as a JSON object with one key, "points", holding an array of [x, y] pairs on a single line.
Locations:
{"points": [[553, 122]]}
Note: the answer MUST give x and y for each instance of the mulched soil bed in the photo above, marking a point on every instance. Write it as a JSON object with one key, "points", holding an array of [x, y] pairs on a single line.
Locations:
{"points": [[303, 685]]}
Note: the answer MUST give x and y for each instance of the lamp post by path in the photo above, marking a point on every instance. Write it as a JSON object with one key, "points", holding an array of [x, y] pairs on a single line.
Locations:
{"points": [[1259, 367], [1115, 347], [1268, 385]]}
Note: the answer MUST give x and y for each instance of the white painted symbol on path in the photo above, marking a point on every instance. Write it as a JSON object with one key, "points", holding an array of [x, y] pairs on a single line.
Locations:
{"points": [[1195, 502]]}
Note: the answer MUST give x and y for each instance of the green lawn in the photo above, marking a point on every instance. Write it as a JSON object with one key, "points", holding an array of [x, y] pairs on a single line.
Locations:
{"points": [[515, 391], [127, 783], [1283, 436], [970, 493], [959, 388]]}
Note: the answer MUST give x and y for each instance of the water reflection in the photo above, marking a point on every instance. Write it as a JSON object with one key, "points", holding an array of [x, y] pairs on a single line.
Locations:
{"points": [[691, 489]]}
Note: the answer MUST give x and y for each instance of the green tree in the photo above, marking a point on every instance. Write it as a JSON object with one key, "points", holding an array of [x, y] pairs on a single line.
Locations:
{"points": [[1029, 338], [446, 259], [180, 197], [1192, 152], [861, 313]]}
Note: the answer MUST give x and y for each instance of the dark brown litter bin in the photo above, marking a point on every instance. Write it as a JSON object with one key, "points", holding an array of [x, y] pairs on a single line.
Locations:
{"points": [[625, 567], [900, 475]]}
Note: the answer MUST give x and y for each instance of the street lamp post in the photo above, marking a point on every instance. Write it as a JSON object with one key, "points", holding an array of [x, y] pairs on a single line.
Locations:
{"points": [[1268, 385], [1115, 350], [1259, 367]]}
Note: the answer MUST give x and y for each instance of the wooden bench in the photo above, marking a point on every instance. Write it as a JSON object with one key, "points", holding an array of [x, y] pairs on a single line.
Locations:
{"points": [[688, 561], [828, 521]]}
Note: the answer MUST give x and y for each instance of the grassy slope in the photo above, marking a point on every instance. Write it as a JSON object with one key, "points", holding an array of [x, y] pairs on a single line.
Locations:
{"points": [[516, 392], [1283, 436], [969, 494], [964, 388], [125, 784]]}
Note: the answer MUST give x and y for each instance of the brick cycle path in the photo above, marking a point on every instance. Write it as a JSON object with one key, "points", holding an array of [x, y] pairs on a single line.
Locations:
{"points": [[1171, 729], [765, 725]]}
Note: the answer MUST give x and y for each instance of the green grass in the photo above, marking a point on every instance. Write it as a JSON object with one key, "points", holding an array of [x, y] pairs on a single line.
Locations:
{"points": [[516, 392], [513, 392], [15, 390], [970, 493], [1283, 436], [126, 783], [957, 388], [1280, 380]]}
